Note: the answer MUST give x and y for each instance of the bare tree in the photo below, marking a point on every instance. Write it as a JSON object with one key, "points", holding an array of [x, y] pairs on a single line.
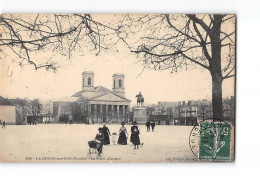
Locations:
{"points": [[165, 42], [178, 42], [36, 110], [38, 38]]}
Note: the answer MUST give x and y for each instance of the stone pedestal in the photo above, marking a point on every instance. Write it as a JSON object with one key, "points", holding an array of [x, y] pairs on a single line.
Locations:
{"points": [[140, 115]]}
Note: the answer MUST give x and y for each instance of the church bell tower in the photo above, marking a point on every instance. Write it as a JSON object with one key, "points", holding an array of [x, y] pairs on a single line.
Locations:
{"points": [[119, 83], [87, 81]]}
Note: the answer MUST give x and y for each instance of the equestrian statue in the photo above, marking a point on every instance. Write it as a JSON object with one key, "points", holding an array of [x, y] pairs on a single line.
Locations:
{"points": [[140, 99]]}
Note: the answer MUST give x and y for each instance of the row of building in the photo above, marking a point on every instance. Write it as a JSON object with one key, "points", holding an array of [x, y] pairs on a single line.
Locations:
{"points": [[190, 112], [97, 104], [24, 111]]}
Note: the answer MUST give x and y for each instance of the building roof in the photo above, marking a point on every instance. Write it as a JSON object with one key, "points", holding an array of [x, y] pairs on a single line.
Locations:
{"points": [[168, 104], [68, 99], [98, 92], [6, 102]]}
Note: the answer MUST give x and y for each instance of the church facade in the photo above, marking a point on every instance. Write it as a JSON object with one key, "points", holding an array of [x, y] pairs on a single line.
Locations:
{"points": [[96, 104]]}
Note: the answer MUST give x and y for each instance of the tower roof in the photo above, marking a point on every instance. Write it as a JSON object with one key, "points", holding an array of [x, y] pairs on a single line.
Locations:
{"points": [[118, 74], [98, 91], [88, 72]]}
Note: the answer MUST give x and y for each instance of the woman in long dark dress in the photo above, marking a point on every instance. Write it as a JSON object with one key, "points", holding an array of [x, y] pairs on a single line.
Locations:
{"points": [[100, 139], [135, 135], [106, 133], [122, 140]]}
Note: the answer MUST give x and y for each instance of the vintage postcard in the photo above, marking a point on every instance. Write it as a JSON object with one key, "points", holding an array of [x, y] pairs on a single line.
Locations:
{"points": [[117, 88]]}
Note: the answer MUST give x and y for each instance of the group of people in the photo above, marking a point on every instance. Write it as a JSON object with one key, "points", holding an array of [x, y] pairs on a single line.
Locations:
{"points": [[150, 124], [102, 137], [70, 120], [32, 122], [134, 138]]}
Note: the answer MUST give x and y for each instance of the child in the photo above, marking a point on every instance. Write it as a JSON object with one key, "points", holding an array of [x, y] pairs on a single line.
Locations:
{"points": [[114, 134]]}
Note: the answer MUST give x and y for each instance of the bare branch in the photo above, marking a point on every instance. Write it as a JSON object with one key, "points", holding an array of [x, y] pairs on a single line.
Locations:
{"points": [[200, 22], [28, 36]]}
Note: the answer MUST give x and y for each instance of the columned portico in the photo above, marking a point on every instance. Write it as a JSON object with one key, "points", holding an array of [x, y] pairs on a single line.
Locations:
{"points": [[106, 112], [98, 104]]}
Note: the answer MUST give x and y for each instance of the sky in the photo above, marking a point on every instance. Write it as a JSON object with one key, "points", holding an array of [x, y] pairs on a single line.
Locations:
{"points": [[154, 85], [17, 82]]}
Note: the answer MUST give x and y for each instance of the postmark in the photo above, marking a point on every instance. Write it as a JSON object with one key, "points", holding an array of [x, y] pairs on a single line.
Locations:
{"points": [[194, 139]]}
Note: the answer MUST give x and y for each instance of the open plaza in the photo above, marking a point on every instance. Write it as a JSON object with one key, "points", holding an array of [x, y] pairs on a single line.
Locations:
{"points": [[69, 143]]}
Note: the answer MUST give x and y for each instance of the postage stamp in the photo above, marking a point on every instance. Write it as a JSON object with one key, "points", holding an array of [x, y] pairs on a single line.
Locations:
{"points": [[215, 141]]}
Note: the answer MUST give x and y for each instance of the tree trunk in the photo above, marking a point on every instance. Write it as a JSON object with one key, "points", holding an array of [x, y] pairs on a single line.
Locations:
{"points": [[217, 98], [215, 69]]}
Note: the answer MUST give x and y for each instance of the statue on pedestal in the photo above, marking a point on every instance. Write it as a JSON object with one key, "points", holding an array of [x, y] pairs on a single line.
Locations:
{"points": [[140, 99], [140, 114]]}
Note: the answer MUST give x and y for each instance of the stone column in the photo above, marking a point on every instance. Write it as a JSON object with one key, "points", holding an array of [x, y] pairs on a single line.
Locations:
{"points": [[101, 113], [117, 112], [89, 113], [85, 107], [112, 113], [126, 113], [106, 112], [123, 112], [95, 111]]}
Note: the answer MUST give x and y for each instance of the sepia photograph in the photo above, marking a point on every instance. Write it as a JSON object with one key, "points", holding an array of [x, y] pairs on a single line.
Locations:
{"points": [[117, 88]]}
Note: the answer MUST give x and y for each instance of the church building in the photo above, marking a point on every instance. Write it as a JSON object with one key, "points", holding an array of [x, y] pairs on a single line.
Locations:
{"points": [[96, 104]]}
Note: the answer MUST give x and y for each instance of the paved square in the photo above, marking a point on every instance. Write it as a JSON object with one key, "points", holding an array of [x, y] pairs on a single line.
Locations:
{"points": [[68, 143]]}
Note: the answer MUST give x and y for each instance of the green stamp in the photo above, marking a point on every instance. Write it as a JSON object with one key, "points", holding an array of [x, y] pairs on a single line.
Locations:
{"points": [[214, 142]]}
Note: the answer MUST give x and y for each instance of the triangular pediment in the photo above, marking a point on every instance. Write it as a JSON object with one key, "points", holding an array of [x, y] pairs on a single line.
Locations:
{"points": [[110, 97]]}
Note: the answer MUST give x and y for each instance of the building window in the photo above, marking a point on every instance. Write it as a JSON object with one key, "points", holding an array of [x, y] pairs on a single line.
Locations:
{"points": [[120, 83], [114, 83], [89, 81]]}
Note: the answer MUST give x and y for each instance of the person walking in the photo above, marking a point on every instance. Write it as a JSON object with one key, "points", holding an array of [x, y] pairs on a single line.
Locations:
{"points": [[152, 125], [135, 135], [106, 133], [122, 140], [3, 126], [70, 120], [148, 126]]}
